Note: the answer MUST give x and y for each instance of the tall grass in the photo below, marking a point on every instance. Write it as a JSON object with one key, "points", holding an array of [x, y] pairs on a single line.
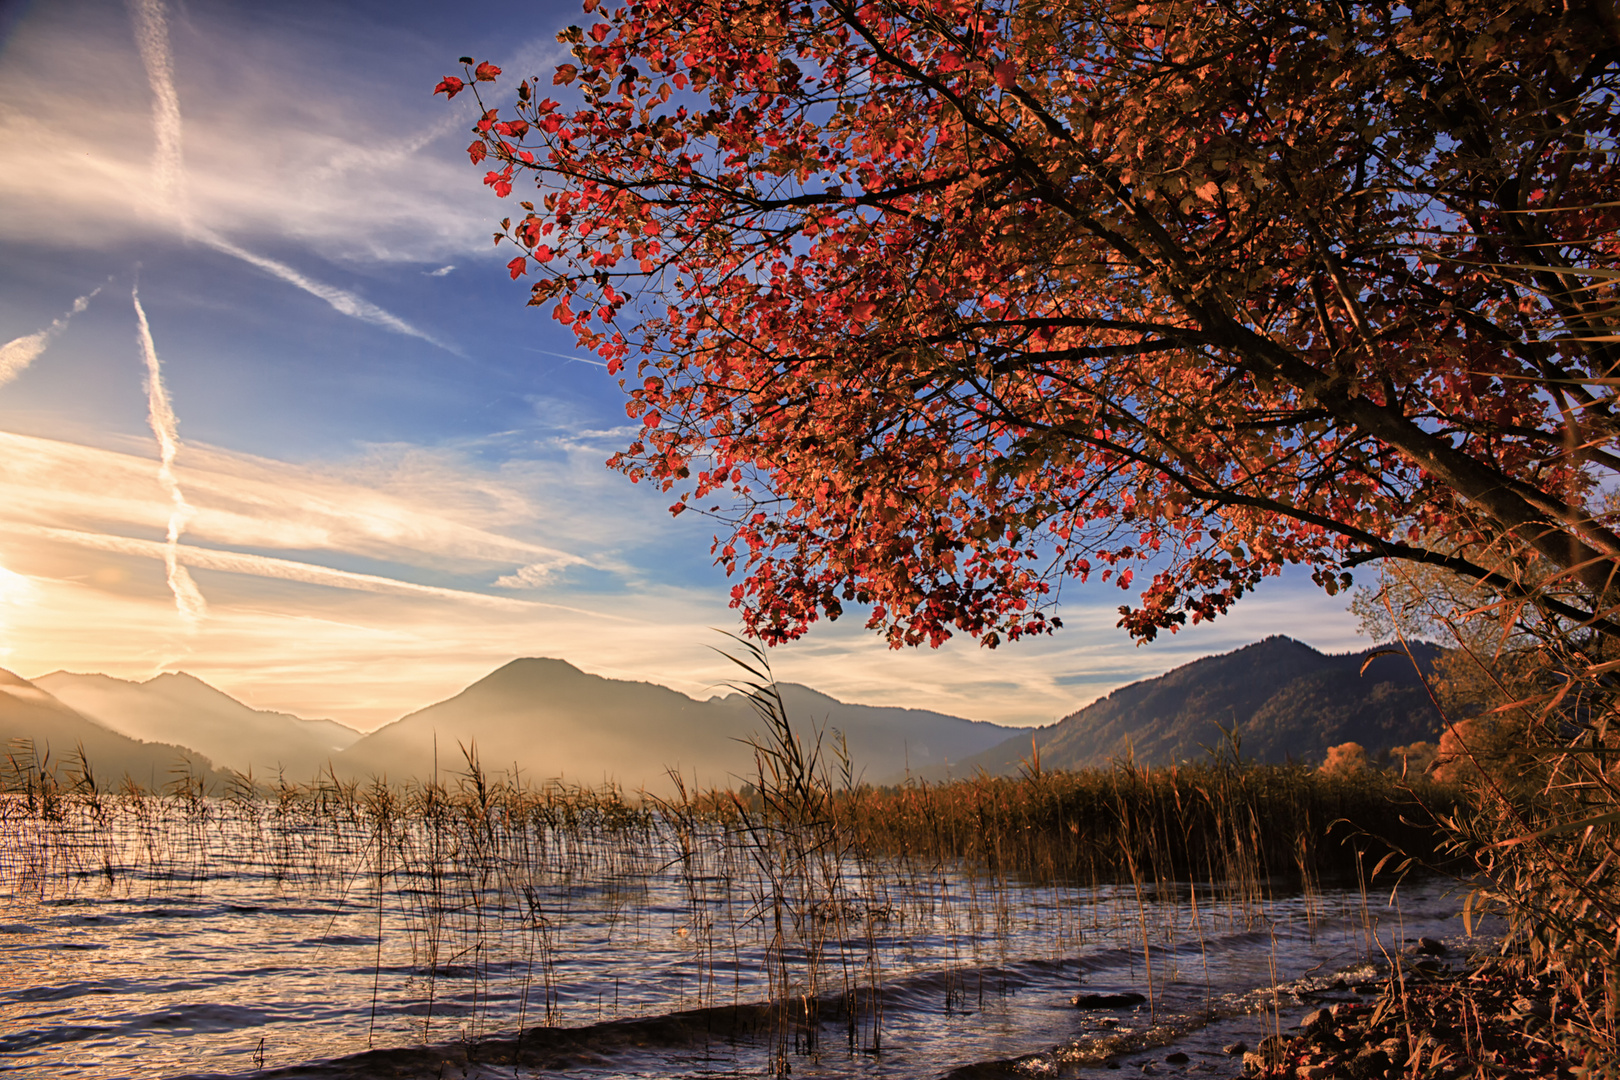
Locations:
{"points": [[1531, 700], [1245, 827], [1543, 828], [825, 886]]}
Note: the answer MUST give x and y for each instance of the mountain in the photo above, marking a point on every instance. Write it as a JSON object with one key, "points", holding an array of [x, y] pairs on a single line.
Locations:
{"points": [[180, 708], [30, 715], [886, 743], [548, 719], [1287, 700]]}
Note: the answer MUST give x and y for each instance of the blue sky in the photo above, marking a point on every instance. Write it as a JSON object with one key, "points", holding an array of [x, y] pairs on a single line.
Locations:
{"points": [[385, 472]]}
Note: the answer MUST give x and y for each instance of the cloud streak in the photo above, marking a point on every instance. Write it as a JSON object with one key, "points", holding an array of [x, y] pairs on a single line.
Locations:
{"points": [[169, 181], [168, 156], [362, 589], [266, 566], [401, 506], [188, 599], [341, 300], [18, 353]]}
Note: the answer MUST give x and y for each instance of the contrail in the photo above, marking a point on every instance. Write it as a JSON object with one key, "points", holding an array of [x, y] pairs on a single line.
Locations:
{"points": [[168, 168], [266, 566], [342, 300], [188, 600], [18, 353], [152, 39], [564, 356]]}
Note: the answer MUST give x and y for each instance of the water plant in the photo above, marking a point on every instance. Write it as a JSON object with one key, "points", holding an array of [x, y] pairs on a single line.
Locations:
{"points": [[799, 896]]}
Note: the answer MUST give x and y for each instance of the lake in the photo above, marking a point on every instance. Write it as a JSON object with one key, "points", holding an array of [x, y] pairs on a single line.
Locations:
{"points": [[191, 936]]}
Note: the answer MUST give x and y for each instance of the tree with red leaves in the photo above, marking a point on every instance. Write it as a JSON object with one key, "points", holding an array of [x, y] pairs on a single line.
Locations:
{"points": [[935, 306]]}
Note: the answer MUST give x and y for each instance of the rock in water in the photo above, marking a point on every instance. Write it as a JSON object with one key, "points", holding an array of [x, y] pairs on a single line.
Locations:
{"points": [[1107, 1001]]}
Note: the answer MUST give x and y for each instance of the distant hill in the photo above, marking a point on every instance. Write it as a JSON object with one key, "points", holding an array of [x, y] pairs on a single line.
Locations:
{"points": [[180, 708], [886, 743], [1287, 700], [546, 719], [550, 720], [33, 716]]}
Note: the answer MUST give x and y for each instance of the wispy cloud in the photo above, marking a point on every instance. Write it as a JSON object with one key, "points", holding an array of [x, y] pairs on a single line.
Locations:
{"points": [[294, 624], [572, 359], [188, 599], [265, 566], [18, 353], [342, 301], [405, 507], [360, 656], [169, 189], [168, 153], [323, 135], [532, 576], [364, 589]]}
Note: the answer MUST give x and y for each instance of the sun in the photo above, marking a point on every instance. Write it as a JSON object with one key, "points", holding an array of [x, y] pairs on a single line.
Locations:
{"points": [[16, 591]]}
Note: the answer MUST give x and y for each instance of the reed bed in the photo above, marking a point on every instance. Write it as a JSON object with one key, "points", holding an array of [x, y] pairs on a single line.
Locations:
{"points": [[802, 890], [1246, 827]]}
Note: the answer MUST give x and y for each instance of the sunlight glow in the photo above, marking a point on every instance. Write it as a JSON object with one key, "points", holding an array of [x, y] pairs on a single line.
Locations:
{"points": [[16, 591]]}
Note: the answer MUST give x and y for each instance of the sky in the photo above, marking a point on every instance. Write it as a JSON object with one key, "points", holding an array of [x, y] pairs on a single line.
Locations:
{"points": [[272, 413]]}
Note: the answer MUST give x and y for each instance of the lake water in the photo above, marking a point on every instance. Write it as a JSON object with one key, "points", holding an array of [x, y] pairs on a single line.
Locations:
{"points": [[222, 940]]}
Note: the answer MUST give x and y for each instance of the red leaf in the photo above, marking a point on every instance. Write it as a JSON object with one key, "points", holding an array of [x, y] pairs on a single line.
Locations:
{"points": [[929, 525], [500, 181], [486, 72], [450, 86], [477, 151], [517, 267]]}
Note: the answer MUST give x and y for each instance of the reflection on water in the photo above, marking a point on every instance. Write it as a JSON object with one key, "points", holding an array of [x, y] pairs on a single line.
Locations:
{"points": [[157, 938]]}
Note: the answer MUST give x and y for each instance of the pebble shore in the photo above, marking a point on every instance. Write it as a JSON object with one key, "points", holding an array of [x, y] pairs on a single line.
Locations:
{"points": [[1430, 1018]]}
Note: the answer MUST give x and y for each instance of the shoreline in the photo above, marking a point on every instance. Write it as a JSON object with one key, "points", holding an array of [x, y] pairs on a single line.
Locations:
{"points": [[1486, 1017]]}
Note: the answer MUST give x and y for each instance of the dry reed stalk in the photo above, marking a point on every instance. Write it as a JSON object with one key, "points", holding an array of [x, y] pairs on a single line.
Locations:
{"points": [[476, 876]]}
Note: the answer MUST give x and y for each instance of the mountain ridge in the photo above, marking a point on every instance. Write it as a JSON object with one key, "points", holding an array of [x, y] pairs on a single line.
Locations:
{"points": [[1283, 698], [177, 707], [38, 730], [542, 719], [571, 725]]}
